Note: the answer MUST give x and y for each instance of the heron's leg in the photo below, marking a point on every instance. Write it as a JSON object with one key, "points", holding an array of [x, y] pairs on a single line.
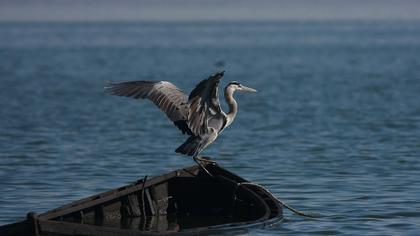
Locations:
{"points": [[198, 161], [205, 159]]}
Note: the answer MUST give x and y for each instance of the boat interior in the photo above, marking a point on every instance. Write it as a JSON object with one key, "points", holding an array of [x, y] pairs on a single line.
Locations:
{"points": [[175, 202]]}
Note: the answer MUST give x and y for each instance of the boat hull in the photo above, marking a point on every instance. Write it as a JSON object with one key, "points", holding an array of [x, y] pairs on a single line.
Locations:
{"points": [[182, 202]]}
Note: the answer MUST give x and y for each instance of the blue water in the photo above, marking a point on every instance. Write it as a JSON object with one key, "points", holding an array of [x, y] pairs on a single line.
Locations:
{"points": [[334, 129]]}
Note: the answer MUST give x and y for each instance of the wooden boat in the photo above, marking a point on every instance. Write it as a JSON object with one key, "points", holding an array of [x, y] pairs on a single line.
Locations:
{"points": [[183, 202]]}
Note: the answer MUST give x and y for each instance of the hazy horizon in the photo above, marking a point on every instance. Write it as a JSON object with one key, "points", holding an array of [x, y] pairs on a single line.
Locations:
{"points": [[181, 10]]}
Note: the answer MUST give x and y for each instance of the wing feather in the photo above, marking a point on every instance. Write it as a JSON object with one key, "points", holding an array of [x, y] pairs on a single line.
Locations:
{"points": [[169, 98], [203, 102]]}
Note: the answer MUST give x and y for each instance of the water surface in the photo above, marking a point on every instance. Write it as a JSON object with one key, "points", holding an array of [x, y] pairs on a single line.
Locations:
{"points": [[333, 130]]}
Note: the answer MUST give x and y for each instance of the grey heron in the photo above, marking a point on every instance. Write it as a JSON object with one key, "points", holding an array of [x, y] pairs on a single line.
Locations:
{"points": [[199, 115]]}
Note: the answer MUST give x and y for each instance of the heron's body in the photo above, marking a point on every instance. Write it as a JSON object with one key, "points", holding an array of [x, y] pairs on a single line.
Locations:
{"points": [[198, 115]]}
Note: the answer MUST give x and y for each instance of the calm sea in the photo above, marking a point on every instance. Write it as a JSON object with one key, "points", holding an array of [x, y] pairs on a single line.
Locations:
{"points": [[333, 130]]}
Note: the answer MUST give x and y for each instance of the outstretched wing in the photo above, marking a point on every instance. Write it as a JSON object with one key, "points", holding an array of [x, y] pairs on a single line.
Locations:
{"points": [[204, 103], [169, 98]]}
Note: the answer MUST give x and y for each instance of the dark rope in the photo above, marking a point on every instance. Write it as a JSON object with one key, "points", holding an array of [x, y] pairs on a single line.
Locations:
{"points": [[312, 216], [198, 160]]}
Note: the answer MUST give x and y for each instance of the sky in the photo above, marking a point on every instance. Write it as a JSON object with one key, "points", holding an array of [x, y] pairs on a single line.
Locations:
{"points": [[215, 10]]}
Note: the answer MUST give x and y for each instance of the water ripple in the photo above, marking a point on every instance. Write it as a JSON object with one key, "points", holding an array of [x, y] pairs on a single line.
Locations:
{"points": [[333, 129]]}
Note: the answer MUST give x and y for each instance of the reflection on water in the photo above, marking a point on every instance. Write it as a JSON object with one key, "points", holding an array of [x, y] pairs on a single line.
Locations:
{"points": [[334, 128], [161, 223]]}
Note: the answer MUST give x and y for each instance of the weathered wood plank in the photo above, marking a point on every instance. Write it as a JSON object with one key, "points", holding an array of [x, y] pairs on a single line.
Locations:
{"points": [[161, 198], [152, 206], [112, 194], [134, 205]]}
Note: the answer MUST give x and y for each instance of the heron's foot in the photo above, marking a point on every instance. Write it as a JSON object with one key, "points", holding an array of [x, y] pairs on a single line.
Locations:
{"points": [[205, 160], [199, 162]]}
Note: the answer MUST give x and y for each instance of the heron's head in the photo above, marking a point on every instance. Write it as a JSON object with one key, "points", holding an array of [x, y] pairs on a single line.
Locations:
{"points": [[236, 86]]}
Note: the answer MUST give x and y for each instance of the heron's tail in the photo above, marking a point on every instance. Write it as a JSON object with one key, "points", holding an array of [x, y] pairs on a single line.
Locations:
{"points": [[191, 147]]}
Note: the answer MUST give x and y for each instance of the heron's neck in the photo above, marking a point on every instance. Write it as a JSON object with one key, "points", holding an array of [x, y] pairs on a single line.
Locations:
{"points": [[233, 106]]}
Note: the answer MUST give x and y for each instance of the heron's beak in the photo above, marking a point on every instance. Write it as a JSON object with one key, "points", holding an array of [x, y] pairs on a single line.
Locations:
{"points": [[248, 89]]}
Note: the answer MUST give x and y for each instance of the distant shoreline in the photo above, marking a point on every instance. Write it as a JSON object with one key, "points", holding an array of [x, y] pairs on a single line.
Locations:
{"points": [[209, 21]]}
